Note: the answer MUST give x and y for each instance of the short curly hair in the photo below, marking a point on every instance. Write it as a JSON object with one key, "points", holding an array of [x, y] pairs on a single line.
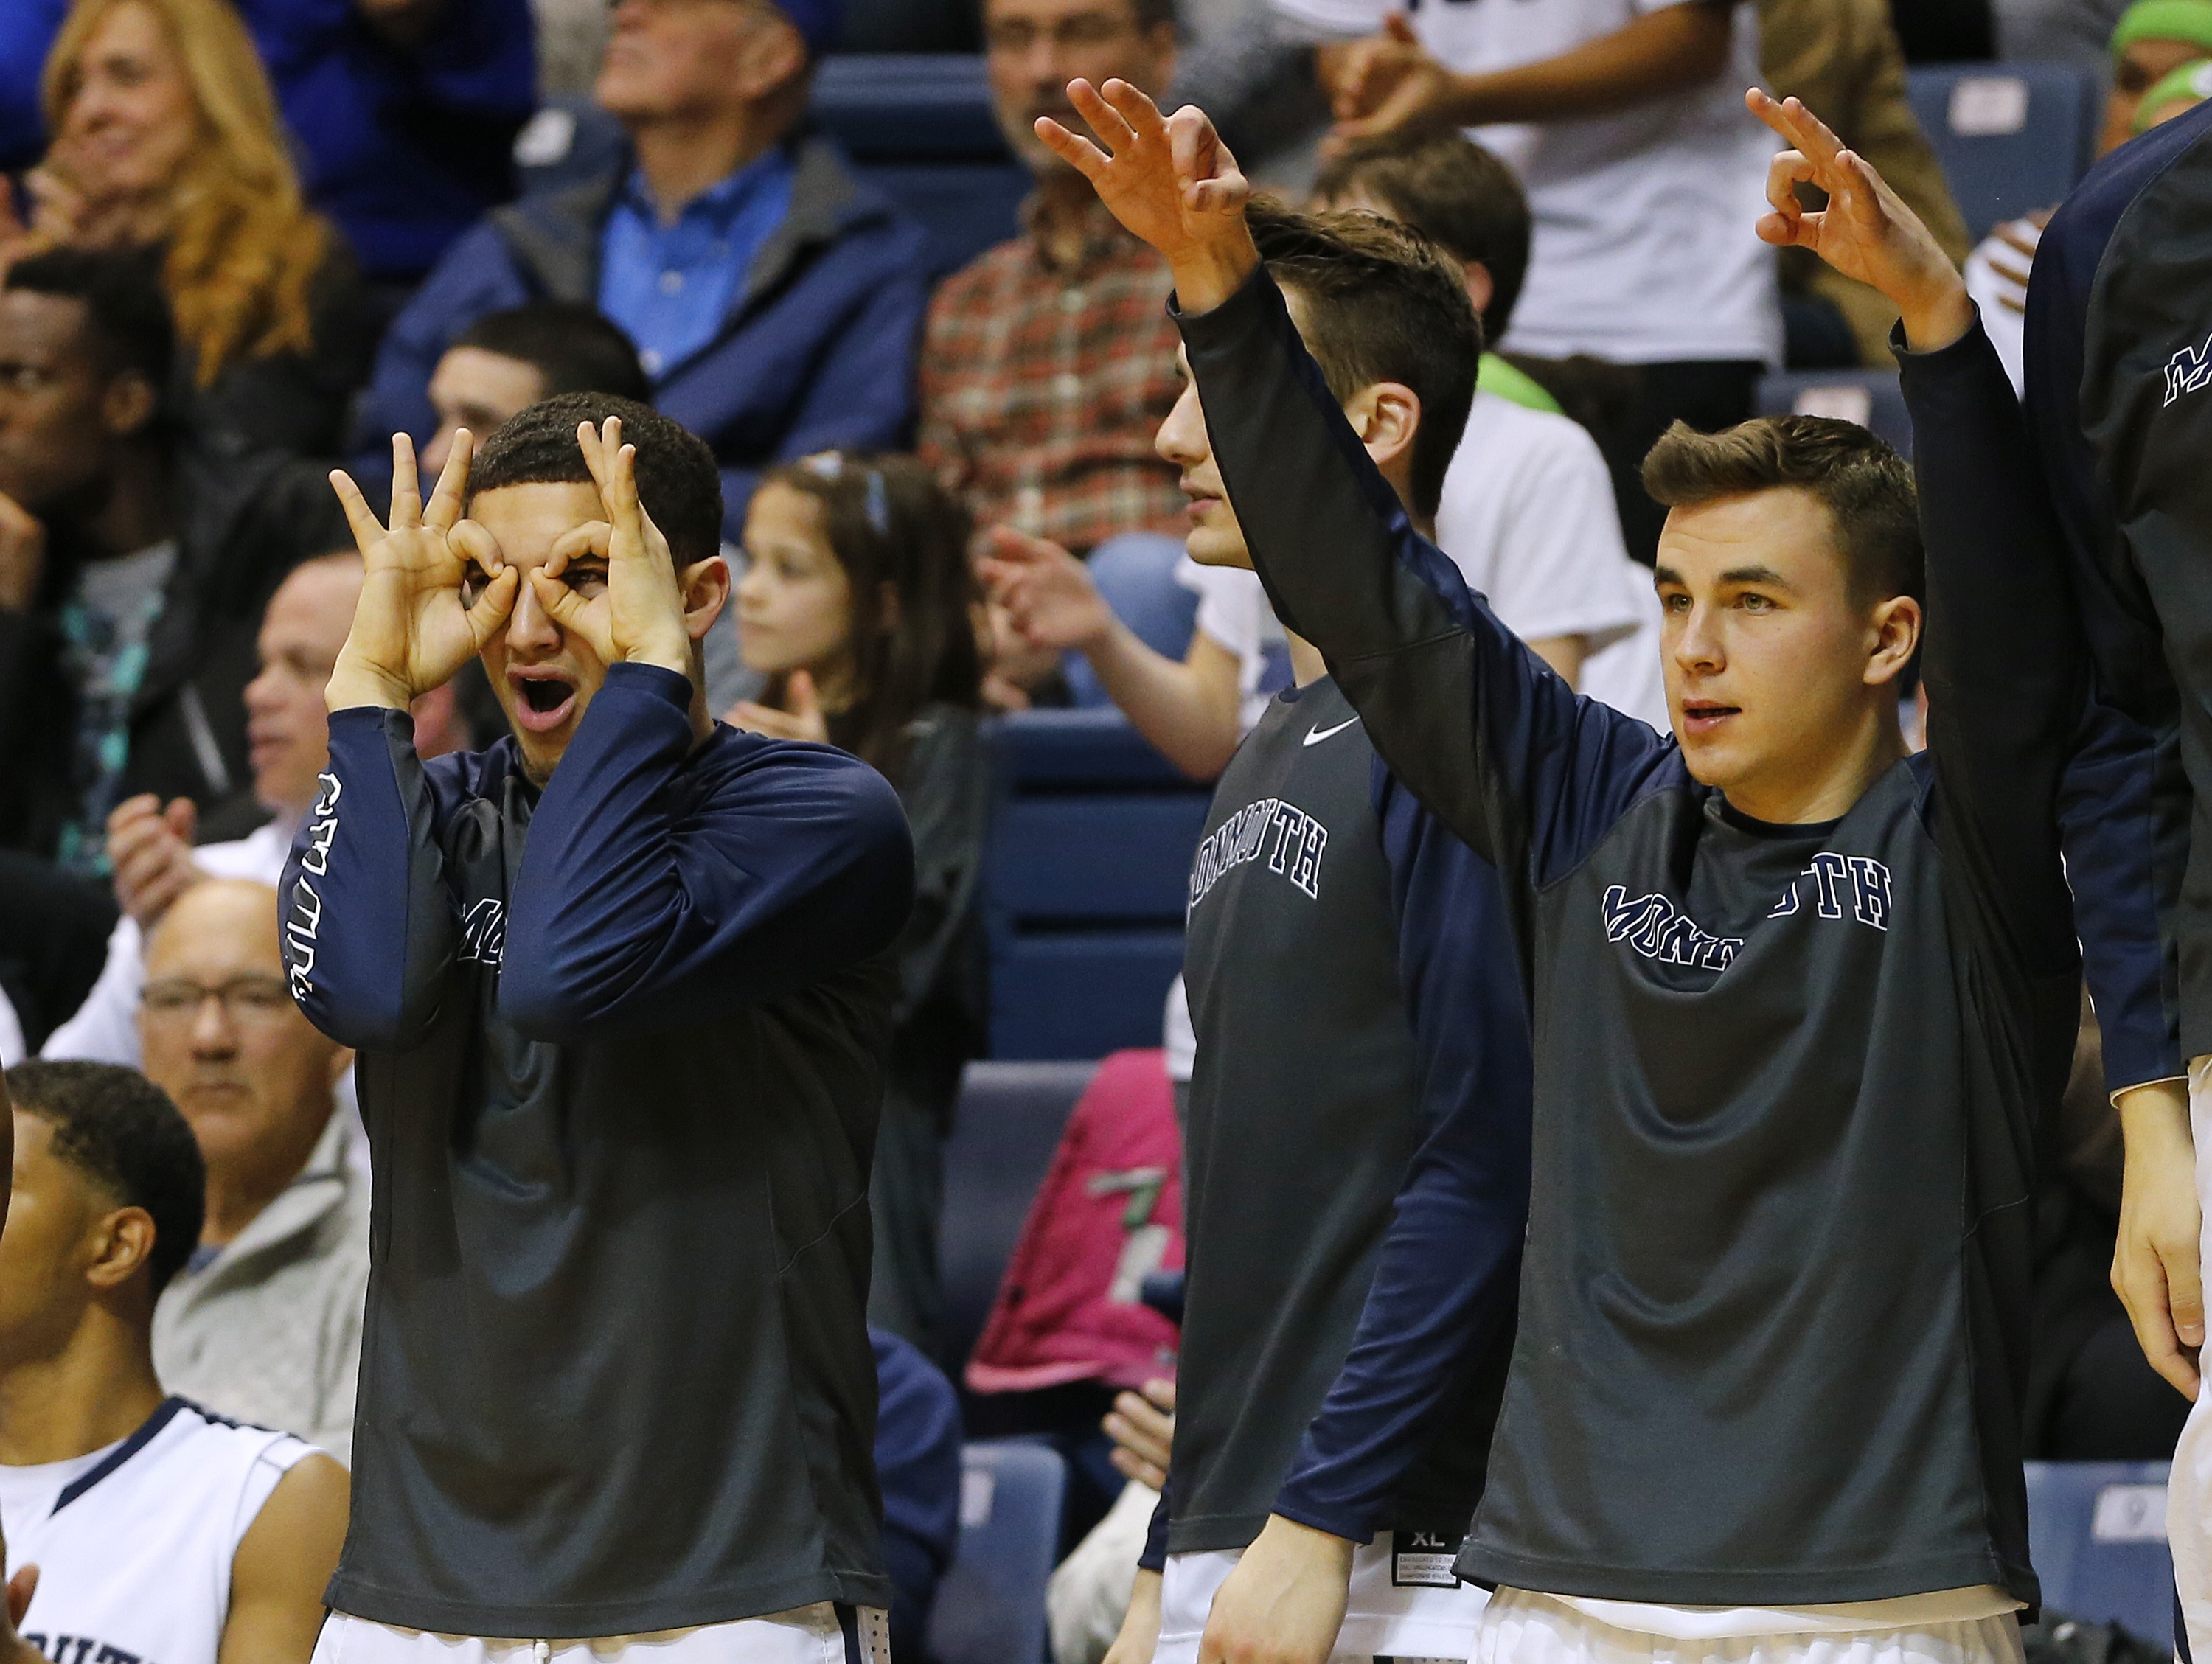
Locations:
{"points": [[677, 479], [121, 1130]]}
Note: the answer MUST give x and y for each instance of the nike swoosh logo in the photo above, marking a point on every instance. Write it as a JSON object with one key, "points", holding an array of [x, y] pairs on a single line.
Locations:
{"points": [[1314, 736]]}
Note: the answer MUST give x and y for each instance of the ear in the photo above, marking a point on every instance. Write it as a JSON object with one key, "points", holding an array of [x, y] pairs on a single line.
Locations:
{"points": [[1385, 415], [127, 403], [1893, 634], [706, 590], [122, 1243], [774, 58], [1481, 287]]}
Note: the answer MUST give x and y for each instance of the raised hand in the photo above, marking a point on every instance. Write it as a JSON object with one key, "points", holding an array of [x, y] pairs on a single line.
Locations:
{"points": [[1170, 179], [1048, 594], [1866, 232], [414, 627], [638, 617], [805, 720]]}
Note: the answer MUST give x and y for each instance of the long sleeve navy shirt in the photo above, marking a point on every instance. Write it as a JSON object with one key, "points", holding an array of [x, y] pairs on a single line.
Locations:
{"points": [[621, 1057]]}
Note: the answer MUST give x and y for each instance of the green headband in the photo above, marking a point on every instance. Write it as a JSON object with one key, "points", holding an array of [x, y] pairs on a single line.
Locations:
{"points": [[2192, 80], [2164, 20]]}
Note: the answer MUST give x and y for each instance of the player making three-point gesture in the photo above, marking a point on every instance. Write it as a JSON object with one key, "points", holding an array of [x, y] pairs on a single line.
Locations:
{"points": [[1798, 997]]}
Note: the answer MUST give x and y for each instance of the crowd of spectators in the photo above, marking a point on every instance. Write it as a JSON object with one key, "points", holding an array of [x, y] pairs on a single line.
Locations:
{"points": [[243, 241]]}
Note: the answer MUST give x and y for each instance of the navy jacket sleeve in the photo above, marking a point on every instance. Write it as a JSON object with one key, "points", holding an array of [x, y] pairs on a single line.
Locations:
{"points": [[660, 886], [2127, 802], [1470, 720], [2005, 664], [1440, 1309], [1154, 1556], [368, 929]]}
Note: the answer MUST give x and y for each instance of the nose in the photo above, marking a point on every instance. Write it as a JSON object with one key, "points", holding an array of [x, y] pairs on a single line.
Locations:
{"points": [[260, 692], [1181, 439], [1697, 645], [530, 628], [212, 1036], [433, 462]]}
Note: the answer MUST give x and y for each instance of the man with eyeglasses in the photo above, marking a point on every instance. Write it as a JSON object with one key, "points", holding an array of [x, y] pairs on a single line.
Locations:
{"points": [[263, 1322]]}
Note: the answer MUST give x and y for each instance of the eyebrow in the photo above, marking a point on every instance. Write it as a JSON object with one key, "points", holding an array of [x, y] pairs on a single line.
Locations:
{"points": [[1765, 576]]}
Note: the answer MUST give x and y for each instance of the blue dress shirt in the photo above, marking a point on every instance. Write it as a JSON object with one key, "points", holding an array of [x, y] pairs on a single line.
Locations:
{"points": [[671, 286]]}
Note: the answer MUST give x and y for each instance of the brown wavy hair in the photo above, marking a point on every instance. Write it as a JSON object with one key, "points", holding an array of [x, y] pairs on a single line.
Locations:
{"points": [[243, 249], [891, 524]]}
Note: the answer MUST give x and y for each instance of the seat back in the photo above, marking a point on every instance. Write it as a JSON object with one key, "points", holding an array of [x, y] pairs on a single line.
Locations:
{"points": [[1870, 398], [1085, 875], [919, 126], [2012, 136], [1007, 1124], [990, 1607], [2097, 1532]]}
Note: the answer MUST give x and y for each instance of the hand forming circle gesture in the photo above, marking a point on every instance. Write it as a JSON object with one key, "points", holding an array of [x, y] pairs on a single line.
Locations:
{"points": [[1866, 232], [638, 617], [414, 627]]}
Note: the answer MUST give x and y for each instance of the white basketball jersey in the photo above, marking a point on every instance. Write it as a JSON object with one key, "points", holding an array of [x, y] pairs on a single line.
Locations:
{"points": [[134, 1543]]}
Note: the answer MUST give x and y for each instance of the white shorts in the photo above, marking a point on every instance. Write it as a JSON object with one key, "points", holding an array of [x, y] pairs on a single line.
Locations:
{"points": [[1404, 1605], [1518, 1627], [805, 1635]]}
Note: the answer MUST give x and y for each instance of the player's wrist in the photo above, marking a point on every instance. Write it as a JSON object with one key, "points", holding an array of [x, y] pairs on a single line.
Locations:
{"points": [[355, 680], [1936, 314], [2154, 1121], [1208, 273]]}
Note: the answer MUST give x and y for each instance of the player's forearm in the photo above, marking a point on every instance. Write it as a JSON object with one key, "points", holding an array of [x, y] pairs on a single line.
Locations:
{"points": [[1661, 52], [2155, 1125], [356, 682], [1166, 700]]}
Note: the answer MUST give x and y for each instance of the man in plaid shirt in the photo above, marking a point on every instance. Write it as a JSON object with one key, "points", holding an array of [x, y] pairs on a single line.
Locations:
{"points": [[1048, 362]]}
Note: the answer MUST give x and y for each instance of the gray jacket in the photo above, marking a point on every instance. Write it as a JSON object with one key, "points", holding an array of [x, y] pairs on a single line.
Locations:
{"points": [[268, 1331]]}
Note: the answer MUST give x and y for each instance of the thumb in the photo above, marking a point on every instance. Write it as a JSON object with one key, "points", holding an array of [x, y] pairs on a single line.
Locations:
{"points": [[799, 690], [2185, 1297], [21, 1588], [1019, 548], [183, 815]]}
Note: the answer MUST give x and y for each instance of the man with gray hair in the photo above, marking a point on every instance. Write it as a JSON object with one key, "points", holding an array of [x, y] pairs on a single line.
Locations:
{"points": [[263, 1321]]}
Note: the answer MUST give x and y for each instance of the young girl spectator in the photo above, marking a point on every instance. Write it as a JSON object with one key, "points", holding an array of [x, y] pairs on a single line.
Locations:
{"points": [[859, 605], [164, 135]]}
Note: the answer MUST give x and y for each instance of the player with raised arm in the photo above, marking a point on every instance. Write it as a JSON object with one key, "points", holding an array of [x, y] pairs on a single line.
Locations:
{"points": [[1798, 996], [616, 991]]}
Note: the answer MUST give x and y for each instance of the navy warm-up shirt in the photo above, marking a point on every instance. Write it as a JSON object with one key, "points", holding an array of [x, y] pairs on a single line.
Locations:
{"points": [[2119, 402], [1774, 1303], [621, 1052]]}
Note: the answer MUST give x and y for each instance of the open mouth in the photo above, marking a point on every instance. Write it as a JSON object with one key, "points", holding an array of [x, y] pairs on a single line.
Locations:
{"points": [[1702, 716], [542, 702]]}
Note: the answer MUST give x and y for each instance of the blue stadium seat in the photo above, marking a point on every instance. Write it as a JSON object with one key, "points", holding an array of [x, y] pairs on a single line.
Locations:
{"points": [[2097, 1532], [2011, 137], [1869, 398], [919, 125], [1083, 880], [990, 1607], [1007, 1124]]}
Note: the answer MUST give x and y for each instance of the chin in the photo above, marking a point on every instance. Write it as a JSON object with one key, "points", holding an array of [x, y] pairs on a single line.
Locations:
{"points": [[1210, 548]]}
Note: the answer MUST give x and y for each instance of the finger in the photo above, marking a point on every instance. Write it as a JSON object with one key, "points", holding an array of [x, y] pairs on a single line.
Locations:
{"points": [[1791, 118], [360, 518], [561, 604], [406, 489], [805, 702], [1219, 196], [132, 808], [2184, 1292], [1162, 1392], [1105, 120], [182, 816], [1135, 107], [1789, 170], [473, 542], [1078, 152], [2013, 273], [488, 615], [445, 509], [2141, 1283], [2016, 243], [587, 440]]}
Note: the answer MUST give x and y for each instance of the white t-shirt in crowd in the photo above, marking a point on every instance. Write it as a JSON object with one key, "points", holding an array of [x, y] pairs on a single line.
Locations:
{"points": [[1644, 250], [11, 1034], [1527, 516]]}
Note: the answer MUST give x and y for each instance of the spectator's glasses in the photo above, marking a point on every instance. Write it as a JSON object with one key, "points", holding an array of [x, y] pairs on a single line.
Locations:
{"points": [[244, 999], [1017, 35]]}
